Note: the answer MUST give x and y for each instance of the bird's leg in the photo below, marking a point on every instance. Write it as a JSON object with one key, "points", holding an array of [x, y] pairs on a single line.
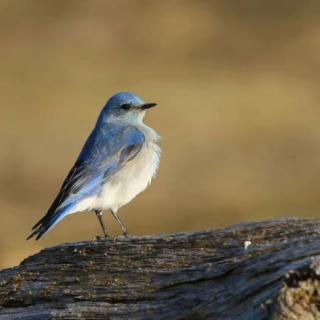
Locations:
{"points": [[99, 216], [124, 230]]}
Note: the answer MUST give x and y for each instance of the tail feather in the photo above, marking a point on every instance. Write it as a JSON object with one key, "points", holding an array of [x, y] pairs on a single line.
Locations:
{"points": [[47, 222], [38, 223]]}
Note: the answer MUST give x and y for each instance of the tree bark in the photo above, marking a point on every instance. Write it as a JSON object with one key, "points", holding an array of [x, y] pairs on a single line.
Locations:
{"points": [[266, 270]]}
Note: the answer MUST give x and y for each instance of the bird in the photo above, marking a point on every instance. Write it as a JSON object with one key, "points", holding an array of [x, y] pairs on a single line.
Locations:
{"points": [[117, 162]]}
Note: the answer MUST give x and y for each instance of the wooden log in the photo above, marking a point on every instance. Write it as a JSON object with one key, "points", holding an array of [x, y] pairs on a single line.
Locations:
{"points": [[266, 270]]}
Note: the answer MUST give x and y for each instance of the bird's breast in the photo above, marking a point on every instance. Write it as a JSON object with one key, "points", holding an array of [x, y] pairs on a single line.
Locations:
{"points": [[132, 179]]}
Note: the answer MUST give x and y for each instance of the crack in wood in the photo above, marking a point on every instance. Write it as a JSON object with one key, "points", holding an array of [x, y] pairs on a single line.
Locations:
{"points": [[202, 275]]}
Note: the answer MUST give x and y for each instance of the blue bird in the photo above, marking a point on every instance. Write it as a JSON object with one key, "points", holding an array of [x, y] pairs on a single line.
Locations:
{"points": [[117, 162]]}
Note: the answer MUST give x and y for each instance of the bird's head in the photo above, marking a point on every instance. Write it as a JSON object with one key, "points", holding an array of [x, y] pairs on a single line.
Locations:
{"points": [[126, 105]]}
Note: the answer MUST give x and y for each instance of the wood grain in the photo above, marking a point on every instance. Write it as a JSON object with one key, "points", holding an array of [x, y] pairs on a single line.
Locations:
{"points": [[203, 275]]}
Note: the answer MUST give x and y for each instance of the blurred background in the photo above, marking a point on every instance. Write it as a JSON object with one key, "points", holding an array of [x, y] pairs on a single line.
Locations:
{"points": [[237, 83]]}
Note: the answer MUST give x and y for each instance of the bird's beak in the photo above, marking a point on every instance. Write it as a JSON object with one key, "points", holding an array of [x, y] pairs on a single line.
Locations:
{"points": [[148, 106]]}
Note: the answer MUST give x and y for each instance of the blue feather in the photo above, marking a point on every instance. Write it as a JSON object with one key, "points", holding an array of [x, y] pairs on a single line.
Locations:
{"points": [[109, 147]]}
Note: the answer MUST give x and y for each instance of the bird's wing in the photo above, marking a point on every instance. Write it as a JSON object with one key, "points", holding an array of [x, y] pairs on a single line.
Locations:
{"points": [[102, 156], [104, 153]]}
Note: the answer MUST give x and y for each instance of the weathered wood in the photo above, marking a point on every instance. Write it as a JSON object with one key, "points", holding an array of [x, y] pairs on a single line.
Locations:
{"points": [[203, 275]]}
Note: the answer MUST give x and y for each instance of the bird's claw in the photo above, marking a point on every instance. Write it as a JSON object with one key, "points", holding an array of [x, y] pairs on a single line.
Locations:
{"points": [[98, 238], [121, 237], [125, 234]]}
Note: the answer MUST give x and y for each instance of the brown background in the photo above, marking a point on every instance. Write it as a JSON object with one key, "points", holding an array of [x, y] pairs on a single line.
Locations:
{"points": [[237, 83]]}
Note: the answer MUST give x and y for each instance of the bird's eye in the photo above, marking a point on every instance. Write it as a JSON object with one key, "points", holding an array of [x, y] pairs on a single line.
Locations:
{"points": [[125, 106]]}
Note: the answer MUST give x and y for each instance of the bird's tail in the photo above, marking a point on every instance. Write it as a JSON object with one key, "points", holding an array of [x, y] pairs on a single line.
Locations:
{"points": [[48, 221]]}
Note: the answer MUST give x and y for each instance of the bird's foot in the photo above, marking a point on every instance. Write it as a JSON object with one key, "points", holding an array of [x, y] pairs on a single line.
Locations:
{"points": [[125, 234], [121, 237], [98, 238]]}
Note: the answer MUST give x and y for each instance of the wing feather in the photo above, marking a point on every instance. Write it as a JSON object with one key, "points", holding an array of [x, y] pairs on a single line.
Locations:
{"points": [[101, 157]]}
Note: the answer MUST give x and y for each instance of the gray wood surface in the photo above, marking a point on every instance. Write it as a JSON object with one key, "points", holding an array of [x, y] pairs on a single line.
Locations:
{"points": [[203, 275]]}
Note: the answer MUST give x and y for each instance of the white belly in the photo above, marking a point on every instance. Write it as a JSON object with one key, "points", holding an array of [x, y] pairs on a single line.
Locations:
{"points": [[130, 180]]}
